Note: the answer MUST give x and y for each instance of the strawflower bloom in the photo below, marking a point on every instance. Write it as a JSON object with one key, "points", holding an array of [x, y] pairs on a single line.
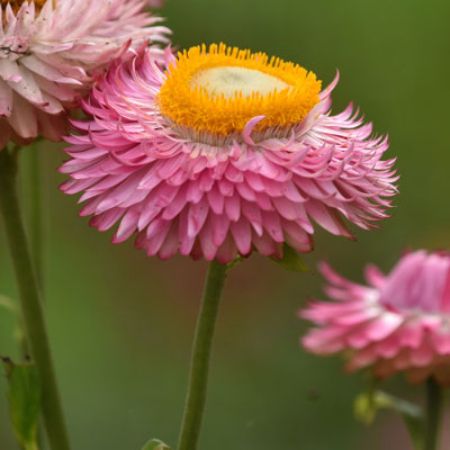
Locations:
{"points": [[225, 152], [398, 322], [49, 52]]}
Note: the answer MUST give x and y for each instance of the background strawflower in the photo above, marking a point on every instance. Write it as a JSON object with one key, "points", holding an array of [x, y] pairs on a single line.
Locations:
{"points": [[225, 152], [398, 322], [50, 51]]}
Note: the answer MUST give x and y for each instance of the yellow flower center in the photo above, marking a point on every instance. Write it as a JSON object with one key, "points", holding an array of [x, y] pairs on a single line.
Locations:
{"points": [[16, 4], [217, 90]]}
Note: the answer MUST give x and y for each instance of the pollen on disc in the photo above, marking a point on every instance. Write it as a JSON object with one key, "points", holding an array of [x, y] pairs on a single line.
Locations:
{"points": [[229, 80]]}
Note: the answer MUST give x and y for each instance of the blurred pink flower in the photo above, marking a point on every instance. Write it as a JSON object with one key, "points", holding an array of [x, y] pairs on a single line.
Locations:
{"points": [[207, 171], [398, 323], [49, 51]]}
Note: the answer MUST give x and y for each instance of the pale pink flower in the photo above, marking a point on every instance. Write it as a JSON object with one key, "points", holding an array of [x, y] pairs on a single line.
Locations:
{"points": [[398, 322], [221, 169], [49, 52]]}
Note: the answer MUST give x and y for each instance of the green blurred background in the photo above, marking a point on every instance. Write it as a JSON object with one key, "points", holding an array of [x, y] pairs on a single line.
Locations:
{"points": [[121, 324]]}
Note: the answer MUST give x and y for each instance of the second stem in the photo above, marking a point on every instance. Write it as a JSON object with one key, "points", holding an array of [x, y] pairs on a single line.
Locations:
{"points": [[30, 300], [433, 414]]}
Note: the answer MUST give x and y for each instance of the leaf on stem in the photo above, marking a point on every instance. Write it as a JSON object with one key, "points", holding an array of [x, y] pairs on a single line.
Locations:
{"points": [[291, 260], [235, 262], [368, 404], [155, 444], [24, 395]]}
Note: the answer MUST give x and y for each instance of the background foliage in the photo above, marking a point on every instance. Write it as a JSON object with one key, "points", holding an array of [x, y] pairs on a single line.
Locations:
{"points": [[122, 324]]}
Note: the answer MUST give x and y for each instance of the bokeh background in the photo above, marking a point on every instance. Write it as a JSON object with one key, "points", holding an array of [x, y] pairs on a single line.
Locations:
{"points": [[121, 324]]}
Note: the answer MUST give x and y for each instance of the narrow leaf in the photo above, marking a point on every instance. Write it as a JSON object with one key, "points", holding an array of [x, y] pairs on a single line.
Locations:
{"points": [[155, 444], [235, 262], [24, 396], [368, 404], [291, 260]]}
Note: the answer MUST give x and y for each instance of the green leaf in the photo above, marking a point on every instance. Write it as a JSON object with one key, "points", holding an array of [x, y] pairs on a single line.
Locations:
{"points": [[235, 262], [291, 260], [368, 404], [365, 409], [24, 397], [155, 444]]}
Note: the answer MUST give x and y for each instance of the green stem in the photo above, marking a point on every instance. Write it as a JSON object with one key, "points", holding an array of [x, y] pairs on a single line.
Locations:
{"points": [[434, 406], [196, 396], [35, 211], [30, 301]]}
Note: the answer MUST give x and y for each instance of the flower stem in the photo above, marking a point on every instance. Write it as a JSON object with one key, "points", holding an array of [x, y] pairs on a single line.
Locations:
{"points": [[31, 306], [35, 211], [196, 396], [433, 414]]}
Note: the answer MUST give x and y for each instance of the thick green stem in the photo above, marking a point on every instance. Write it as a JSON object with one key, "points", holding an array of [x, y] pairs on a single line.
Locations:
{"points": [[196, 396], [435, 397], [30, 301]]}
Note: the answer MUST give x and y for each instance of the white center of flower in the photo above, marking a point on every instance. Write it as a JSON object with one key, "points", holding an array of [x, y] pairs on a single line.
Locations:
{"points": [[229, 80]]}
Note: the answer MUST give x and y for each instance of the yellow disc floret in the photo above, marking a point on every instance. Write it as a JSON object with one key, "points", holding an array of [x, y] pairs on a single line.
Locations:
{"points": [[217, 90]]}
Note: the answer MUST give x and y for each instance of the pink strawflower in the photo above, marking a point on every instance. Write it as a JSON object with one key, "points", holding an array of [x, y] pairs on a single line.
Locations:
{"points": [[49, 52], [224, 153], [398, 323]]}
